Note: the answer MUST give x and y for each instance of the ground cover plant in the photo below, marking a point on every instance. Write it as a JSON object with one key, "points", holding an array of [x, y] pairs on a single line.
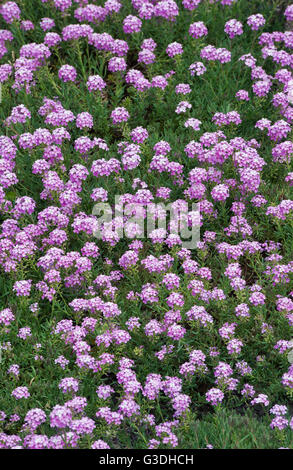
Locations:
{"points": [[141, 340]]}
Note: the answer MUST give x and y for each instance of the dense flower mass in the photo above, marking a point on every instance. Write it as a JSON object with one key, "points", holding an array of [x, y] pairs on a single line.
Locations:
{"points": [[146, 224]]}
